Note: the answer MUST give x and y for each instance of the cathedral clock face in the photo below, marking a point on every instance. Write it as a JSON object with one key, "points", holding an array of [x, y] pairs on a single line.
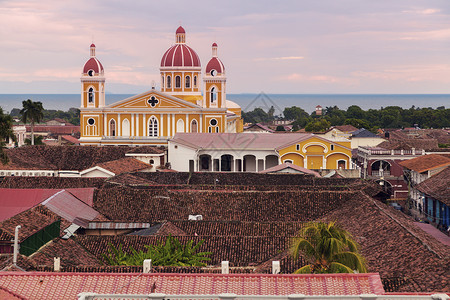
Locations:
{"points": [[213, 72]]}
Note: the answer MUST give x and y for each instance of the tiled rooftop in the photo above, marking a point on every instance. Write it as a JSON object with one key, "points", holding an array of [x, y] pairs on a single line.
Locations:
{"points": [[426, 162], [437, 186], [35, 285], [124, 165]]}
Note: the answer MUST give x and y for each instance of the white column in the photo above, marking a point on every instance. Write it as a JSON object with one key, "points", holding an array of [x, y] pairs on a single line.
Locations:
{"points": [[161, 117], [137, 124], [105, 123], [173, 124], [187, 124], [144, 132], [119, 126], [132, 133], [169, 133]]}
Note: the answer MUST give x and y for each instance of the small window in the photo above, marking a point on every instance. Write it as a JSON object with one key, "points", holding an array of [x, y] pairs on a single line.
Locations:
{"points": [[298, 147], [91, 121], [188, 82], [195, 81], [213, 122], [91, 73], [177, 82], [91, 95], [112, 128], [332, 147], [213, 95], [169, 82], [288, 161], [152, 161]]}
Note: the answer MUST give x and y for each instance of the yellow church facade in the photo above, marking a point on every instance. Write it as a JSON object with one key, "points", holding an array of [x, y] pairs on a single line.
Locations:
{"points": [[155, 116], [318, 153]]}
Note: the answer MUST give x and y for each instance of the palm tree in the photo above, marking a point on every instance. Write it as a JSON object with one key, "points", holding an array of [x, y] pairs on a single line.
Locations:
{"points": [[33, 112], [328, 248], [5, 133]]}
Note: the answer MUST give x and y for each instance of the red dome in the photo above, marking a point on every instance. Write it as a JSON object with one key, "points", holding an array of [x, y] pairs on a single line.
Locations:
{"points": [[180, 55], [93, 45], [215, 64], [180, 30], [93, 64], [214, 45]]}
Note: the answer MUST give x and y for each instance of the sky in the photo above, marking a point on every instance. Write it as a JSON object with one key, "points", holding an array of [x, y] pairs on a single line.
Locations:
{"points": [[289, 47]]}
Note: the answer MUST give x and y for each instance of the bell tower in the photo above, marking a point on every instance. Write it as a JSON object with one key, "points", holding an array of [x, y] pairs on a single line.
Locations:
{"points": [[92, 82], [215, 82]]}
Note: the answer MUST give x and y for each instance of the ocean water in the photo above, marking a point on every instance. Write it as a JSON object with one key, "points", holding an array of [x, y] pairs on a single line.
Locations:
{"points": [[249, 101]]}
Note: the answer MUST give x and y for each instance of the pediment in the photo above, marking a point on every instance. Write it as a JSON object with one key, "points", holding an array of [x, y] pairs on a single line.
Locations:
{"points": [[152, 100]]}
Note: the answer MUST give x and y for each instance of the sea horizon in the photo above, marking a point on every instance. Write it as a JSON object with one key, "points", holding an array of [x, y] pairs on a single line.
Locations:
{"points": [[249, 101]]}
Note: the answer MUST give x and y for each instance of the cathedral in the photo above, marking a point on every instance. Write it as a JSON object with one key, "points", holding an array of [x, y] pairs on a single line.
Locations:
{"points": [[186, 103]]}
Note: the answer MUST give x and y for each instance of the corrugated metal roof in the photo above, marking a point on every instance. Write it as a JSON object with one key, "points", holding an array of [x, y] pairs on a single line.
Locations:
{"points": [[70, 208], [117, 225], [15, 201]]}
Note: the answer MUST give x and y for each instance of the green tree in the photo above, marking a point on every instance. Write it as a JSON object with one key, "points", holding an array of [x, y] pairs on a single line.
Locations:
{"points": [[355, 112], [6, 132], [168, 253], [358, 123], [317, 125], [258, 115], [32, 112], [328, 248]]}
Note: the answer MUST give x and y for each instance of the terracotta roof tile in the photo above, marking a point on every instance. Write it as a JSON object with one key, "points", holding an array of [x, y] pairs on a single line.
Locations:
{"points": [[147, 150], [437, 186], [425, 162], [61, 157], [346, 128], [68, 285], [124, 165], [290, 166]]}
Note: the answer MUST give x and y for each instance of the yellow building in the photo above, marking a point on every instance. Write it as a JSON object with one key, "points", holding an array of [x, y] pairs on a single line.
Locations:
{"points": [[155, 116], [256, 152]]}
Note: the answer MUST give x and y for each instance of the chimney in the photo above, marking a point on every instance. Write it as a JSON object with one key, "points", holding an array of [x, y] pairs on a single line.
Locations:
{"points": [[225, 267], [276, 267], [56, 264], [147, 267]]}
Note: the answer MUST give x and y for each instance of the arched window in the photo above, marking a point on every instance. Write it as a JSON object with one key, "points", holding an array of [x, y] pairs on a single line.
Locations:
{"points": [[91, 95], [162, 81], [169, 82], [125, 127], [195, 81], [180, 125], [153, 127], [194, 126], [213, 95], [188, 82], [112, 128], [177, 82]]}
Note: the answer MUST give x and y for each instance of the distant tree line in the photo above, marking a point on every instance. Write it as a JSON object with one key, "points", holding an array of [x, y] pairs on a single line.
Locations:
{"points": [[371, 119], [72, 115]]}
